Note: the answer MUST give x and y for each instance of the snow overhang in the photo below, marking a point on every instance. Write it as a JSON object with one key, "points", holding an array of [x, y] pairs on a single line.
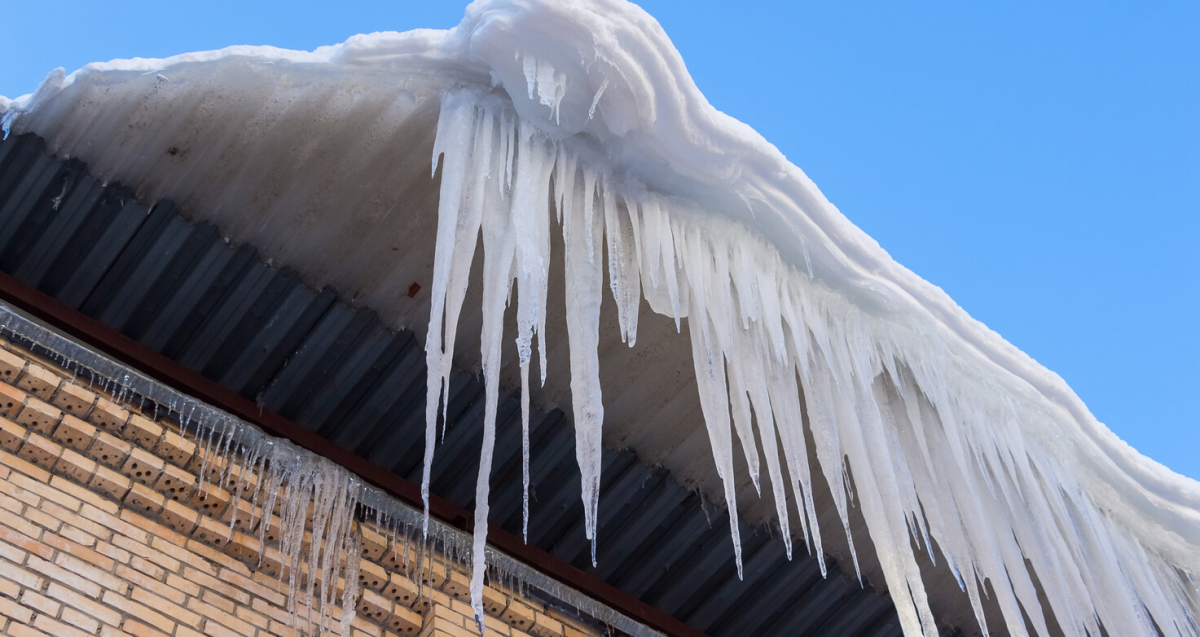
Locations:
{"points": [[321, 159]]}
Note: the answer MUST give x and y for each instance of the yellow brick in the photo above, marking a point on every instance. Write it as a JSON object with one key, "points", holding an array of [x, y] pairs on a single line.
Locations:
{"points": [[83, 604], [40, 451], [38, 416], [161, 604], [11, 435], [211, 559], [80, 620], [252, 586], [83, 569], [518, 615], [179, 517], [83, 494], [74, 400], [138, 629], [401, 590], [109, 482], [142, 466], [138, 611], [374, 606], [11, 366], [40, 603], [109, 450], [436, 573], [114, 523], [494, 601], [74, 549], [212, 532], [55, 573], [140, 579], [144, 500], [23, 630], [209, 499], [175, 483], [114, 553], [546, 626], [21, 576], [272, 563], [74, 433], [225, 619], [373, 543], [457, 585], [108, 416], [243, 548], [246, 517], [11, 400], [372, 576], [142, 431], [252, 617], [43, 490], [75, 466], [404, 621], [175, 449], [39, 381]]}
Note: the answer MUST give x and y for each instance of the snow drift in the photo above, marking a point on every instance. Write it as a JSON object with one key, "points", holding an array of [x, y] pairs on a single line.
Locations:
{"points": [[580, 121]]}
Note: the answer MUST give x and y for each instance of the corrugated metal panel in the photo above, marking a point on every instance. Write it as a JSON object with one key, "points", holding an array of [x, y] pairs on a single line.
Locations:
{"points": [[178, 288]]}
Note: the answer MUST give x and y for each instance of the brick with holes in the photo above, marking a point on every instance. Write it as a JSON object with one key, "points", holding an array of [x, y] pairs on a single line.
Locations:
{"points": [[404, 621], [373, 544], [11, 435], [372, 576], [209, 499], [144, 500], [73, 399], [400, 590], [11, 366], [178, 517], [11, 400], [75, 466], [494, 601], [244, 548], [546, 626], [142, 431], [374, 606], [142, 466], [457, 585], [107, 415], [39, 381], [175, 449], [74, 433], [212, 532], [175, 483], [109, 450], [243, 514], [40, 451], [518, 615], [38, 416], [109, 482]]}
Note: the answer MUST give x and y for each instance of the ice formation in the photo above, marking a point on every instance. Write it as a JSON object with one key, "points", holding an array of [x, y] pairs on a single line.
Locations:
{"points": [[575, 127], [310, 502]]}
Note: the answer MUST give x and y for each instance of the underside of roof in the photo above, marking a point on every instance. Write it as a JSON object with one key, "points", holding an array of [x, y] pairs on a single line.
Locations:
{"points": [[219, 309], [556, 221]]}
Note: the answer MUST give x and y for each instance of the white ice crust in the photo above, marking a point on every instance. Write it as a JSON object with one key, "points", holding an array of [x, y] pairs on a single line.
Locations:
{"points": [[582, 114]]}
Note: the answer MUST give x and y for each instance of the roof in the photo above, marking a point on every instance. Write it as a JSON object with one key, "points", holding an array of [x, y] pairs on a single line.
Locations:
{"points": [[258, 331]]}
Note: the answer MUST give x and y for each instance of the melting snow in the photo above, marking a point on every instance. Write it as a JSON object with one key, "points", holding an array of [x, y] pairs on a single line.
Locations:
{"points": [[581, 118]]}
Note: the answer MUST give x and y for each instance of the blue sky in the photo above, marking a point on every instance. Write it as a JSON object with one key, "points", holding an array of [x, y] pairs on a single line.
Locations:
{"points": [[1038, 161]]}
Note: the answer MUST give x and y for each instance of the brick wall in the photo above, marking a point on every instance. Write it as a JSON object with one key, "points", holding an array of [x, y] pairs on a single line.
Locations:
{"points": [[104, 531]]}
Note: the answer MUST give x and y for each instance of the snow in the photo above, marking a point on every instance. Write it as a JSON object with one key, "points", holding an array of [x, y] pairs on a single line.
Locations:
{"points": [[583, 115]]}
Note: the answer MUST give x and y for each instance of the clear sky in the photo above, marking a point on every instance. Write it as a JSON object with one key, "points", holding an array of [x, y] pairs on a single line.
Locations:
{"points": [[1040, 161]]}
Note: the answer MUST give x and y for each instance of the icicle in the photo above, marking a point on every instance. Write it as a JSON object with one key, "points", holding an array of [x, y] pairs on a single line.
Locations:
{"points": [[453, 140], [584, 284]]}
